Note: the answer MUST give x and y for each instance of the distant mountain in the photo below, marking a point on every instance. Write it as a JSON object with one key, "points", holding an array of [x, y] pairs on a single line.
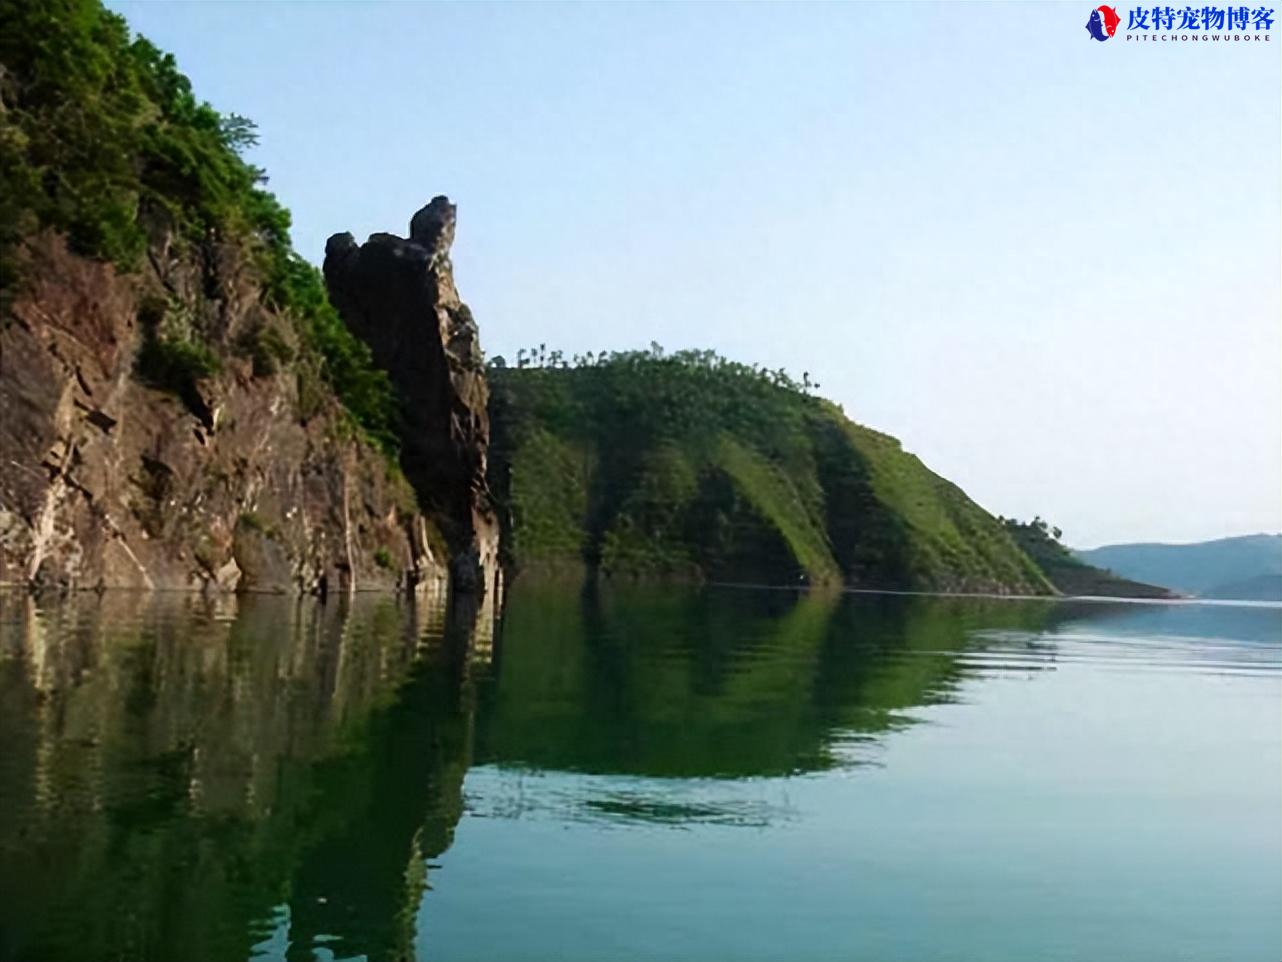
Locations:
{"points": [[1248, 567]]}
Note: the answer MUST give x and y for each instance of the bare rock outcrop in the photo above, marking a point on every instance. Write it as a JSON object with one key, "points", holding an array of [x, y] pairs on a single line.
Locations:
{"points": [[398, 295], [106, 481]]}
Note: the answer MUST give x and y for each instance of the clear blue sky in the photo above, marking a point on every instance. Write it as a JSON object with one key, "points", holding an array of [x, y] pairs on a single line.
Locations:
{"points": [[1049, 265]]}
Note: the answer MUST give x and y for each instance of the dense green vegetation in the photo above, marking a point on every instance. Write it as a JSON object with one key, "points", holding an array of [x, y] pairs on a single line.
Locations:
{"points": [[1067, 573], [689, 465], [103, 141]]}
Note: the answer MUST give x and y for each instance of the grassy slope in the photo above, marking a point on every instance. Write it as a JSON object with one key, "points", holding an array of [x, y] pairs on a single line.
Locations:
{"points": [[943, 529], [690, 466]]}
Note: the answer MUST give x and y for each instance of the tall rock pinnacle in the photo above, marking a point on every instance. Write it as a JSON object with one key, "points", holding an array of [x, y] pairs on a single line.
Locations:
{"points": [[398, 296]]}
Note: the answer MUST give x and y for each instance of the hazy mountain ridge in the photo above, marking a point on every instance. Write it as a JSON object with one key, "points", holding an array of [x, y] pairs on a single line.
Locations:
{"points": [[1248, 567]]}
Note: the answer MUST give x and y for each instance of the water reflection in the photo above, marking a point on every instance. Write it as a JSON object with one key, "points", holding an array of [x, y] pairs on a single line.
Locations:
{"points": [[720, 684], [262, 777], [176, 773]]}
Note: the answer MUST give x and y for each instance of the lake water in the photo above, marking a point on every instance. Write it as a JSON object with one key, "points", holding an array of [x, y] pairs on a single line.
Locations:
{"points": [[652, 774]]}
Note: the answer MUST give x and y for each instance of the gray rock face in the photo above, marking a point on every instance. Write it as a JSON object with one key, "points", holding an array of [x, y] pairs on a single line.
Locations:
{"points": [[398, 295], [106, 482]]}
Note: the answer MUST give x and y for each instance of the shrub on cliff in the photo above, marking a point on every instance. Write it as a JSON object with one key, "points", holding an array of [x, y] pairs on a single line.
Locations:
{"points": [[175, 365]]}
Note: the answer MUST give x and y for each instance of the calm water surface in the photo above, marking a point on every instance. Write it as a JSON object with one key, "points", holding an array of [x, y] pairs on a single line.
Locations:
{"points": [[640, 775]]}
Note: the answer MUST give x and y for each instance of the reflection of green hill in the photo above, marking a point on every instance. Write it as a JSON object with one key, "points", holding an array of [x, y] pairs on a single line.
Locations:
{"points": [[721, 683], [180, 781], [170, 775]]}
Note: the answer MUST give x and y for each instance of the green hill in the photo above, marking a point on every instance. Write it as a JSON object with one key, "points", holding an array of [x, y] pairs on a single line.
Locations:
{"points": [[693, 467]]}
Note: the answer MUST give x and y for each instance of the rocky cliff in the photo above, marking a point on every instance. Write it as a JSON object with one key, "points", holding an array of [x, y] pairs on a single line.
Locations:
{"points": [[180, 406], [228, 481], [398, 296]]}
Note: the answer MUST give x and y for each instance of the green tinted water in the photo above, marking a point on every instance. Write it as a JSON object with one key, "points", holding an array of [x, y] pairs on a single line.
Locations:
{"points": [[650, 774]]}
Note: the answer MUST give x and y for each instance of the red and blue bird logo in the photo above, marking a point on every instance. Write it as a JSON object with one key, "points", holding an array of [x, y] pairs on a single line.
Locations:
{"points": [[1103, 23]]}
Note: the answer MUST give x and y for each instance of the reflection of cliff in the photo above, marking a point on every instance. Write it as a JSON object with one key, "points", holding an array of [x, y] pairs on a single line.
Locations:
{"points": [[172, 772], [721, 683]]}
